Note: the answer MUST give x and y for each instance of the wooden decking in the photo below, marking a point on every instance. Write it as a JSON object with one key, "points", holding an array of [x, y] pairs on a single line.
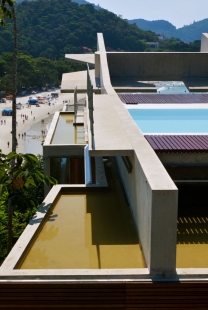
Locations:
{"points": [[100, 295], [163, 98], [178, 143]]}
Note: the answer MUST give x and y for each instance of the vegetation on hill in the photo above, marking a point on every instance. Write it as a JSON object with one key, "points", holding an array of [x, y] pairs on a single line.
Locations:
{"points": [[33, 72], [188, 33], [52, 28], [21, 192], [157, 26], [80, 2], [176, 45], [48, 29]]}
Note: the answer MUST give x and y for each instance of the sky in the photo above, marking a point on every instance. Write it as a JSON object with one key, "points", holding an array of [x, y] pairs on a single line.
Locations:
{"points": [[177, 12]]}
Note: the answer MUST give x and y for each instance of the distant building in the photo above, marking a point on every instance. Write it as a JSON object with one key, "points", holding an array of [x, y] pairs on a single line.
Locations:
{"points": [[153, 45], [160, 37], [86, 50], [109, 49]]}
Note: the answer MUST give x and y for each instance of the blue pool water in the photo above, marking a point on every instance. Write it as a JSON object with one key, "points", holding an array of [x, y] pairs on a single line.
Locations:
{"points": [[172, 88], [163, 121]]}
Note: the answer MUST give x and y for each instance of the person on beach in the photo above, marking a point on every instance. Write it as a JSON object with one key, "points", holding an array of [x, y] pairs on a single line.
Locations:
{"points": [[19, 135], [8, 144], [31, 112], [4, 122], [22, 135], [34, 118]]}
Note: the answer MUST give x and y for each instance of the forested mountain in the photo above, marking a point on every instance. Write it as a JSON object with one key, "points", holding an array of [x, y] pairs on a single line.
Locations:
{"points": [[157, 26], [187, 33], [80, 2], [51, 28], [48, 29]]}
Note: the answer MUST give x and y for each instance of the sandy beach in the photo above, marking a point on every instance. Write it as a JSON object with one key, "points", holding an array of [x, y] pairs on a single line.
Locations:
{"points": [[31, 141]]}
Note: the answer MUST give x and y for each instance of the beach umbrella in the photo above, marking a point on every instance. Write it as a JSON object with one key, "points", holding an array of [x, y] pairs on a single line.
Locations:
{"points": [[33, 100], [6, 112]]}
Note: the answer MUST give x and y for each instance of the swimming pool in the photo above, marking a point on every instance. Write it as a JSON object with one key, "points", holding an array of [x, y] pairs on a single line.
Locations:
{"points": [[171, 121]]}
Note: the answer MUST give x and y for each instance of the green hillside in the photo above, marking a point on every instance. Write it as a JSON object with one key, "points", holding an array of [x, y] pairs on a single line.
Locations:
{"points": [[187, 33], [157, 26], [52, 28], [80, 2]]}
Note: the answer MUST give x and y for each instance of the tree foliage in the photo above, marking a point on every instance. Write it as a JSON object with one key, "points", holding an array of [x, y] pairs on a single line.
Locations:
{"points": [[21, 191], [51, 28], [33, 72], [176, 45], [5, 10]]}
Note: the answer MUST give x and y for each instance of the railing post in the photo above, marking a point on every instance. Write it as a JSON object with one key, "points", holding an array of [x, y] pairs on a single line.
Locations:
{"points": [[90, 103], [75, 104]]}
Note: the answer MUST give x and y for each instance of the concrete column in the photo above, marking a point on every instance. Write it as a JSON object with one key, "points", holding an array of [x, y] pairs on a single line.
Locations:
{"points": [[164, 209], [204, 43], [97, 65]]}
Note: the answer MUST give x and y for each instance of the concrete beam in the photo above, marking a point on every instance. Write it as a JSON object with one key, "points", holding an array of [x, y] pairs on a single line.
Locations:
{"points": [[158, 66], [196, 85], [109, 136], [183, 159], [81, 58], [79, 80]]}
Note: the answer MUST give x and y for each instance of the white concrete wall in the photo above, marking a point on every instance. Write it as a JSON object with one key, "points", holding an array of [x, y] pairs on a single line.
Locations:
{"points": [[151, 192], [204, 43], [155, 215]]}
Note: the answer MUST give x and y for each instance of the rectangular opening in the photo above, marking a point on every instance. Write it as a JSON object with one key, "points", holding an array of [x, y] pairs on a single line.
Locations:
{"points": [[192, 224]]}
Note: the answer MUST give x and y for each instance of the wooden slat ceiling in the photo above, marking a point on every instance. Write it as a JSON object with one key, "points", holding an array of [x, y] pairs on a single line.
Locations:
{"points": [[163, 98], [178, 143], [105, 296]]}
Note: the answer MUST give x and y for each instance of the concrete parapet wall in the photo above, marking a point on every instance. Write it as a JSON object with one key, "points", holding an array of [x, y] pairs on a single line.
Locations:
{"points": [[158, 66], [155, 216], [204, 43], [151, 193]]}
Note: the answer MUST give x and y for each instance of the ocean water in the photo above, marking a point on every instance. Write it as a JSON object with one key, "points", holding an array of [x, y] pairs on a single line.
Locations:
{"points": [[173, 121]]}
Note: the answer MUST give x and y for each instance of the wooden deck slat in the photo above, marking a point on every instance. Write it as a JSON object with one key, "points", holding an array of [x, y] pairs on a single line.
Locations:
{"points": [[163, 143], [178, 143], [123, 296], [174, 143], [163, 98]]}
